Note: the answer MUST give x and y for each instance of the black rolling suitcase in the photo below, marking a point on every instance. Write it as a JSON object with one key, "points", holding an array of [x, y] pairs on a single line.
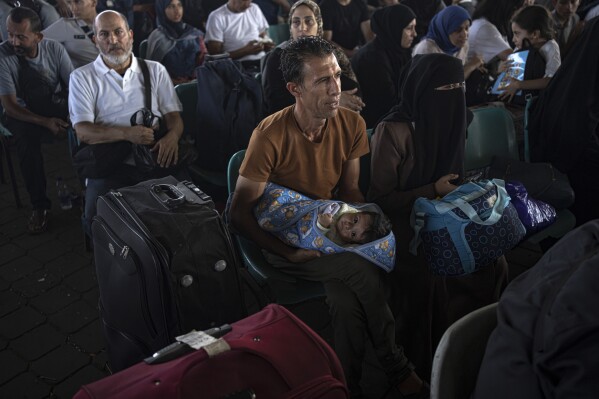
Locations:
{"points": [[165, 266]]}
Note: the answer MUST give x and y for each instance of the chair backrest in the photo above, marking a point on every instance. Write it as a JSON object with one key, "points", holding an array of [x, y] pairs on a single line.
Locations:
{"points": [[188, 95], [364, 181], [460, 352], [143, 48], [491, 133], [233, 169], [279, 33]]}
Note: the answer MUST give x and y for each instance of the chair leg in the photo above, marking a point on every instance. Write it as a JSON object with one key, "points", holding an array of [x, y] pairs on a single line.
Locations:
{"points": [[11, 172]]}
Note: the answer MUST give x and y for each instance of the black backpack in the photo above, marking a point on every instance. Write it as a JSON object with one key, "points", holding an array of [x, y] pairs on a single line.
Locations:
{"points": [[229, 108]]}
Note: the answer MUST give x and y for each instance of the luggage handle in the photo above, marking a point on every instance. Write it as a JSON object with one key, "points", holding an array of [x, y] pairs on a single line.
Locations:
{"points": [[167, 195]]}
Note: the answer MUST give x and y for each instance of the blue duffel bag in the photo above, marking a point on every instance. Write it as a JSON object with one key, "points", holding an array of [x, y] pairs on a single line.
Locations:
{"points": [[467, 229]]}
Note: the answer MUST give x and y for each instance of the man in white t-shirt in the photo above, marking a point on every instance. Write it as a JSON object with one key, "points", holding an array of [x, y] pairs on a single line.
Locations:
{"points": [[238, 28], [76, 34], [487, 42], [104, 96]]}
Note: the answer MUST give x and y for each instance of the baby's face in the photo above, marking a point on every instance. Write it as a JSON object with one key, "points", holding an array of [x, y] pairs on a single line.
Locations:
{"points": [[352, 227]]}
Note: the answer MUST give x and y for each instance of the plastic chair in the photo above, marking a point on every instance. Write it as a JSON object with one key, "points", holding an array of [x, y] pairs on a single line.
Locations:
{"points": [[188, 95], [279, 33], [492, 133], [5, 136], [460, 352], [143, 48], [285, 289]]}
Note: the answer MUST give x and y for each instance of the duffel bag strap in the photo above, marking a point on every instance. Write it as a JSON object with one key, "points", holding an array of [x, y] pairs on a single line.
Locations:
{"points": [[498, 207]]}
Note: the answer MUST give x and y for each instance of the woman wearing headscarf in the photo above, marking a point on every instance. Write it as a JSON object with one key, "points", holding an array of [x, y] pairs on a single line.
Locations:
{"points": [[418, 151], [304, 20], [175, 44], [564, 123], [378, 64], [448, 33]]}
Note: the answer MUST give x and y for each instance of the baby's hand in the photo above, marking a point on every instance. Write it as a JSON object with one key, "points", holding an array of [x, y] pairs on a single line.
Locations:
{"points": [[325, 219]]}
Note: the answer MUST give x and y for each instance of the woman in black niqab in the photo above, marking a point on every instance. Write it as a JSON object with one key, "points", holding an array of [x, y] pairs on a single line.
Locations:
{"points": [[418, 151]]}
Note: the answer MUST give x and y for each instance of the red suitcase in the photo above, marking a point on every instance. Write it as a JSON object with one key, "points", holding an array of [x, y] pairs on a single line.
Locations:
{"points": [[272, 354]]}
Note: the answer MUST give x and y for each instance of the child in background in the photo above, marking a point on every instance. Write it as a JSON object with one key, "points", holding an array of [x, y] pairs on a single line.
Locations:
{"points": [[533, 27]]}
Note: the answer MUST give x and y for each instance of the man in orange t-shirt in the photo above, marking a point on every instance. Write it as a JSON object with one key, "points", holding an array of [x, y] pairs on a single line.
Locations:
{"points": [[314, 147]]}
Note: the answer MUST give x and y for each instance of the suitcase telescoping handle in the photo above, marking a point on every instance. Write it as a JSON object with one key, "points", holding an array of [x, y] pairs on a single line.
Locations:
{"points": [[167, 195]]}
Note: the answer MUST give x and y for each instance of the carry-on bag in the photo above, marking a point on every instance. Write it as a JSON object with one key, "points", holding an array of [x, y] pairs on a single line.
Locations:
{"points": [[165, 265], [468, 229], [271, 354]]}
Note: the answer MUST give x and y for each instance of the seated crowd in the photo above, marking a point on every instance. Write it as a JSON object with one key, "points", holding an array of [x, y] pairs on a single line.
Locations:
{"points": [[348, 66]]}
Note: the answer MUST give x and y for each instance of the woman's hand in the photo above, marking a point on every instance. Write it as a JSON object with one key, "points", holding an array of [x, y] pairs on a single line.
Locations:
{"points": [[443, 185], [348, 99]]}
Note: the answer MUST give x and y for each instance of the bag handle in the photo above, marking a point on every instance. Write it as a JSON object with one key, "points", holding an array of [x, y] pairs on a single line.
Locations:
{"points": [[167, 195], [498, 207]]}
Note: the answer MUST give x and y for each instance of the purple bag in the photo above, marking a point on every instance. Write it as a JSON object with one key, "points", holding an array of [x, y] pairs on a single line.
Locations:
{"points": [[535, 215]]}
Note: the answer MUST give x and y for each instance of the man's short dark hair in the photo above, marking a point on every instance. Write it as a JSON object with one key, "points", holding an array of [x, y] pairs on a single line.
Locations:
{"points": [[298, 51], [20, 14]]}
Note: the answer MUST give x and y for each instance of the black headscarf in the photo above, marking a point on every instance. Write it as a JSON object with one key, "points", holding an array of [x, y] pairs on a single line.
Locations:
{"points": [[563, 124], [388, 24], [438, 116], [171, 29]]}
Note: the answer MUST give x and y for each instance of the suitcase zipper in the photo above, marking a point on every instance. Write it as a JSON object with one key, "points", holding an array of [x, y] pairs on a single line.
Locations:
{"points": [[160, 251], [124, 254]]}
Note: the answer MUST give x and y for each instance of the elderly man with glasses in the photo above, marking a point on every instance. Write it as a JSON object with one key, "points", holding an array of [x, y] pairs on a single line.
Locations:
{"points": [[107, 105]]}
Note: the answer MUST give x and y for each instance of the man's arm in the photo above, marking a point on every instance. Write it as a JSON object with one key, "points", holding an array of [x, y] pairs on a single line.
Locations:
{"points": [[93, 133], [349, 191], [168, 146], [253, 47], [14, 110], [246, 196]]}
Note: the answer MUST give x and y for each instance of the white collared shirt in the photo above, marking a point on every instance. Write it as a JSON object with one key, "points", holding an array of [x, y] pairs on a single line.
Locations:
{"points": [[100, 95]]}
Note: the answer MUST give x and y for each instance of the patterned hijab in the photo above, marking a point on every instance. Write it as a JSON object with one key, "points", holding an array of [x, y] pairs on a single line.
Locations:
{"points": [[445, 23]]}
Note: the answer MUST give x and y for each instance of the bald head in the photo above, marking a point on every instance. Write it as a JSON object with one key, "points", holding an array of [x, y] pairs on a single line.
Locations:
{"points": [[109, 16]]}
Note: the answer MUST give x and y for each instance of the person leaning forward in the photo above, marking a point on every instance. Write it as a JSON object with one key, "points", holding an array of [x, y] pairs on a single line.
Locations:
{"points": [[314, 147], [32, 69], [106, 95]]}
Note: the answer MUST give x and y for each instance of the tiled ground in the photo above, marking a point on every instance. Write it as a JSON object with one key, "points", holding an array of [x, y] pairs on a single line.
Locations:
{"points": [[50, 339]]}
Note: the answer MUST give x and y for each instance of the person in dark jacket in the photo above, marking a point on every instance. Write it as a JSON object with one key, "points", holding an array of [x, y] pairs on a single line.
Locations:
{"points": [[564, 123], [378, 64], [546, 343]]}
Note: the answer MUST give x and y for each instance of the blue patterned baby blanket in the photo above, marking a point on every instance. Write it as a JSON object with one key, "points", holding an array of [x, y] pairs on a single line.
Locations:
{"points": [[292, 217]]}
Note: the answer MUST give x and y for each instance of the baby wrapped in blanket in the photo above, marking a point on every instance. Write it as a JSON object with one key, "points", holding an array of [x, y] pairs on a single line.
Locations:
{"points": [[327, 226]]}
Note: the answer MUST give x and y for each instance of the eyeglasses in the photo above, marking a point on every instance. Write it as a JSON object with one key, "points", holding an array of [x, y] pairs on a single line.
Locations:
{"points": [[146, 118], [452, 86]]}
